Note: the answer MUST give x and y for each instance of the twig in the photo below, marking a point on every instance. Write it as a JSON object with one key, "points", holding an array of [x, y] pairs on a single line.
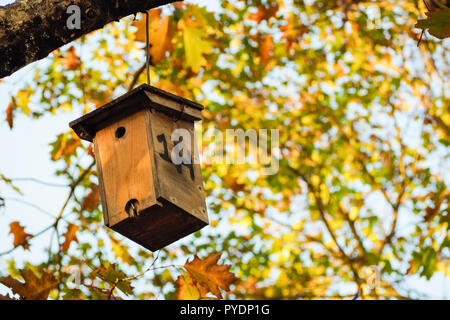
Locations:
{"points": [[72, 190], [49, 184], [136, 76], [31, 205], [321, 209]]}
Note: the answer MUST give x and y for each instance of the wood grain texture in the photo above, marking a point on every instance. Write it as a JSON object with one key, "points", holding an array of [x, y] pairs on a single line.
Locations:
{"points": [[177, 187], [126, 166]]}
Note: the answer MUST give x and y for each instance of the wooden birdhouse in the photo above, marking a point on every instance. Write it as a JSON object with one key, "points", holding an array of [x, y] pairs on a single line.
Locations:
{"points": [[146, 195]]}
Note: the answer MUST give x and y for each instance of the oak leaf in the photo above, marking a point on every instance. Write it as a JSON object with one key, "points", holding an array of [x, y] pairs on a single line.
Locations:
{"points": [[208, 276], [195, 46], [33, 288], [20, 236], [69, 236]]}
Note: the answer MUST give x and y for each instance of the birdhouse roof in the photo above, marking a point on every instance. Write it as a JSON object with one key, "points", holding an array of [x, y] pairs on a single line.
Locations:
{"points": [[142, 97]]}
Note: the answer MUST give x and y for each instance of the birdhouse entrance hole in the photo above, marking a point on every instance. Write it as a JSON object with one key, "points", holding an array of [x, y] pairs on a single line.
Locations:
{"points": [[120, 132]]}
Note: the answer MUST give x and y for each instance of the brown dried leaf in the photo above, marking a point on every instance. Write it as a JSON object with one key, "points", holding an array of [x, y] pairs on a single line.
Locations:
{"points": [[69, 236], [7, 297], [91, 201], [33, 288], [20, 236], [208, 276]]}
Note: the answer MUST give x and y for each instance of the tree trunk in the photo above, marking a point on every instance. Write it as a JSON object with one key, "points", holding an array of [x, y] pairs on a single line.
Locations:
{"points": [[31, 29]]}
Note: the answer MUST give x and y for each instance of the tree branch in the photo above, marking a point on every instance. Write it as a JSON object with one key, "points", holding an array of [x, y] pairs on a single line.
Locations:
{"points": [[31, 29]]}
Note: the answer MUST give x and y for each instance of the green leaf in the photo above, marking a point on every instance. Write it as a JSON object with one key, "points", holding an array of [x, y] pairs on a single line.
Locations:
{"points": [[195, 47]]}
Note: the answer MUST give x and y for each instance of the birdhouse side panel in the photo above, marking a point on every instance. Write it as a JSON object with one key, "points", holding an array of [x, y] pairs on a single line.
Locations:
{"points": [[178, 183], [126, 166]]}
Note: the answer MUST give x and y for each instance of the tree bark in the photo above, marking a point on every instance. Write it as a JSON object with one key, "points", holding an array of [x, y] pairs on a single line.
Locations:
{"points": [[31, 29]]}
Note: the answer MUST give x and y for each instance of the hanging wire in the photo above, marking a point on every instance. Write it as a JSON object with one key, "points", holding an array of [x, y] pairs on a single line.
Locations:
{"points": [[147, 55]]}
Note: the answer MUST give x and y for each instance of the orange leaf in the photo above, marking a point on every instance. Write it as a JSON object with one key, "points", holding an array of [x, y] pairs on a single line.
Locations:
{"points": [[33, 288], [265, 13], [160, 35], [20, 236], [71, 61], [70, 235], [91, 201], [265, 47], [10, 115], [209, 276]]}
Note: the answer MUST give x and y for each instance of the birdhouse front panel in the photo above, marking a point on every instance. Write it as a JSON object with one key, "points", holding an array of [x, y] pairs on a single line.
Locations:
{"points": [[149, 175], [123, 156]]}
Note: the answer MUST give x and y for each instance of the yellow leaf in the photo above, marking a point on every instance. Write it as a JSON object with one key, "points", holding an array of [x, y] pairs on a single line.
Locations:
{"points": [[121, 251], [186, 289], [353, 214], [194, 46]]}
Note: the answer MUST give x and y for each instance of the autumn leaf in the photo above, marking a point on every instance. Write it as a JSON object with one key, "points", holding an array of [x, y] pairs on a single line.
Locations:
{"points": [[10, 115], [186, 289], [121, 251], [71, 61], [195, 46], [160, 35], [7, 297], [437, 23], [115, 277], [64, 145], [69, 236], [90, 202], [33, 288], [208, 276], [265, 12], [265, 47], [20, 236]]}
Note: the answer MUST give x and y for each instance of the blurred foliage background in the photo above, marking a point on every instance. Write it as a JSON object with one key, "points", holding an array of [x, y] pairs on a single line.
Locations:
{"points": [[362, 110]]}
